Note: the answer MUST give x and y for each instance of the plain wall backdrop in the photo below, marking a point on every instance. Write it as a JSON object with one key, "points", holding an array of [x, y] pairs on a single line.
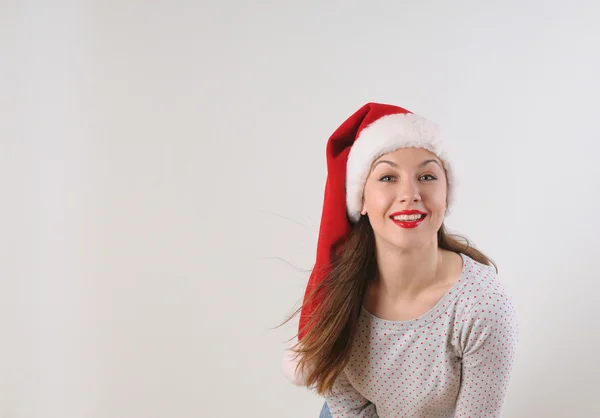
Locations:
{"points": [[162, 166]]}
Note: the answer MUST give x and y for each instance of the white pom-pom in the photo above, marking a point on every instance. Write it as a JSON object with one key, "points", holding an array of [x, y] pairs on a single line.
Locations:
{"points": [[288, 363]]}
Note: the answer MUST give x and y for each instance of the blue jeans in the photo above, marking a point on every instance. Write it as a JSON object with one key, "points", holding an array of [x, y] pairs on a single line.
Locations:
{"points": [[325, 412]]}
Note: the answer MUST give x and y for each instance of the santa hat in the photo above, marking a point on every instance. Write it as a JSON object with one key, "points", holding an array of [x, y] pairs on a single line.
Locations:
{"points": [[372, 131]]}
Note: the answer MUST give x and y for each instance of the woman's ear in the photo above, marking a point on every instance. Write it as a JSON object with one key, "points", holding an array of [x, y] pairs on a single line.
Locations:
{"points": [[363, 211], [447, 211]]}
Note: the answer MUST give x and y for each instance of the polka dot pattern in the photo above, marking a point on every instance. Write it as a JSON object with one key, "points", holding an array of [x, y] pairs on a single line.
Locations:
{"points": [[453, 361]]}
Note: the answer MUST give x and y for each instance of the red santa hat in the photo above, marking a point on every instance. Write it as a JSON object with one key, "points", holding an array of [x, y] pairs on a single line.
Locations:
{"points": [[372, 131]]}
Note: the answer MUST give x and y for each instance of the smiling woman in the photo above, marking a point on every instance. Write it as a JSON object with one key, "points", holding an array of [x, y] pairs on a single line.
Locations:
{"points": [[409, 187], [400, 318]]}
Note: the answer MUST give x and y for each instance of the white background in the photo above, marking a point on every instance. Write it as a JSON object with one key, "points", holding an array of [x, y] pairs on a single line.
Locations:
{"points": [[162, 166]]}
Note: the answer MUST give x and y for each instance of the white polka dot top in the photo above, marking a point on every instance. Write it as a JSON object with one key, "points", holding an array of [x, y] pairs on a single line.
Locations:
{"points": [[454, 361]]}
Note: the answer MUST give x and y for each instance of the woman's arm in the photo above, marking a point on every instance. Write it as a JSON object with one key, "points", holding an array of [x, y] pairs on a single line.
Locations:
{"points": [[489, 340], [345, 401]]}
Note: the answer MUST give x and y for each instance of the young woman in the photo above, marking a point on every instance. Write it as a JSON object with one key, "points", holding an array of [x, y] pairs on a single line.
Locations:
{"points": [[400, 318]]}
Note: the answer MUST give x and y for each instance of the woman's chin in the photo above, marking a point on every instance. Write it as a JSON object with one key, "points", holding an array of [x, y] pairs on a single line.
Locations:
{"points": [[406, 241]]}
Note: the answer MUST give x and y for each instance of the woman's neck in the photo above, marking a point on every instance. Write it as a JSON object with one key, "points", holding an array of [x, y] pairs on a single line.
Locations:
{"points": [[406, 275]]}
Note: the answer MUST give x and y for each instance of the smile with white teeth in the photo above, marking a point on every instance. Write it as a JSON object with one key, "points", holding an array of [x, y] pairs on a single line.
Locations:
{"points": [[408, 217]]}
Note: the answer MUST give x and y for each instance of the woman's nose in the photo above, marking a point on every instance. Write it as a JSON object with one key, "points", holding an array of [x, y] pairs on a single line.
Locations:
{"points": [[408, 192]]}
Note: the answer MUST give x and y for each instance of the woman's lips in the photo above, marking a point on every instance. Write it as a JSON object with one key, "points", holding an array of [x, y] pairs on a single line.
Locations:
{"points": [[409, 224], [406, 223]]}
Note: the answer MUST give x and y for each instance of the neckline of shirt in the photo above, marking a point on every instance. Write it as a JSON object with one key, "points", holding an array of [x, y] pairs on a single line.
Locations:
{"points": [[434, 313]]}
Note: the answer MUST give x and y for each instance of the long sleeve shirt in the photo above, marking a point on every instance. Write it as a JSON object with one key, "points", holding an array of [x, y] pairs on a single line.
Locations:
{"points": [[453, 361]]}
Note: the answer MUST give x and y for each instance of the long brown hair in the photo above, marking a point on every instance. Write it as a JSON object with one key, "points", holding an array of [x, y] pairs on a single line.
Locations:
{"points": [[324, 351]]}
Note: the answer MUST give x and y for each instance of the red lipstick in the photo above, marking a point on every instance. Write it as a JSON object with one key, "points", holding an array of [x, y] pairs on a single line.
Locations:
{"points": [[408, 224]]}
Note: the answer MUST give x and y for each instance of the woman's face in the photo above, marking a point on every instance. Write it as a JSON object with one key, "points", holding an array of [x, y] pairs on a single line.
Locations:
{"points": [[405, 198]]}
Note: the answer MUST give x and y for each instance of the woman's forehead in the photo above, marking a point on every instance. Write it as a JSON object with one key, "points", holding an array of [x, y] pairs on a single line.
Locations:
{"points": [[413, 156]]}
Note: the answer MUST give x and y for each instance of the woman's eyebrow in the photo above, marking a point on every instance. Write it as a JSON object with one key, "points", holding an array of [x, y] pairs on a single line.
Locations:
{"points": [[424, 163], [393, 164]]}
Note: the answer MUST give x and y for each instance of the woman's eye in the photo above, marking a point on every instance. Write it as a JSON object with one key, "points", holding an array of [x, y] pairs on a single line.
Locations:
{"points": [[386, 178], [428, 177]]}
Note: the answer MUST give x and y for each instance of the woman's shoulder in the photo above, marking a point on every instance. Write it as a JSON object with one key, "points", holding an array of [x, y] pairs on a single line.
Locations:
{"points": [[482, 282], [483, 298]]}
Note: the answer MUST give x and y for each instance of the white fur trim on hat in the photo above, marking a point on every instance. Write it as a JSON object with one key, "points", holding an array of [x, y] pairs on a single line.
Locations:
{"points": [[387, 134], [289, 362]]}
